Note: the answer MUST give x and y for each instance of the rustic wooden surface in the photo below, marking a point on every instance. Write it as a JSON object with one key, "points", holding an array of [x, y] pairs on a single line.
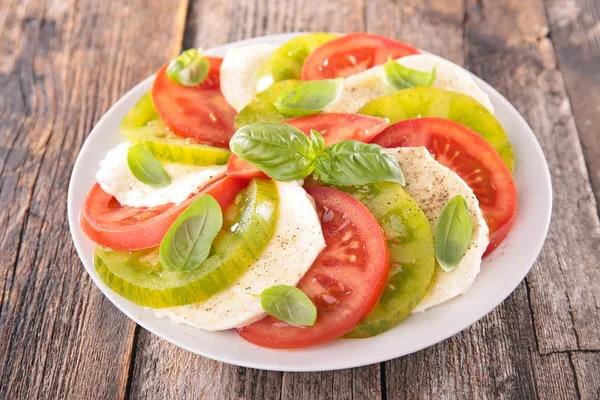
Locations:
{"points": [[63, 63]]}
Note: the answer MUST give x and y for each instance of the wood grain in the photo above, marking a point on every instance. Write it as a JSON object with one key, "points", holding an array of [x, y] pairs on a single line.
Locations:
{"points": [[164, 371], [489, 360], [587, 367], [463, 364], [508, 47], [432, 25], [575, 29], [516, 56], [555, 377], [62, 65], [248, 19]]}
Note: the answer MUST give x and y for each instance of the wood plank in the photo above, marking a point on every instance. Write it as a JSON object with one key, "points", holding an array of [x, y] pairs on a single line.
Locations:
{"points": [[432, 25], [437, 20], [507, 46], [356, 383], [212, 23], [587, 370], [459, 364], [575, 28], [555, 377], [164, 371], [62, 64], [482, 361], [208, 23], [489, 360], [55, 99], [489, 30]]}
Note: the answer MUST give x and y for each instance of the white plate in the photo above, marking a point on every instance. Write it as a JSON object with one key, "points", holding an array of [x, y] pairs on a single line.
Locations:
{"points": [[500, 273]]}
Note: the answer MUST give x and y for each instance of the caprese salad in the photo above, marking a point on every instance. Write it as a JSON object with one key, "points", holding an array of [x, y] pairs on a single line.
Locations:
{"points": [[325, 188]]}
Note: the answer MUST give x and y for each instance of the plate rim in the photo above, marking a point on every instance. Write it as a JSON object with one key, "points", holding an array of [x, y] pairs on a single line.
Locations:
{"points": [[139, 89]]}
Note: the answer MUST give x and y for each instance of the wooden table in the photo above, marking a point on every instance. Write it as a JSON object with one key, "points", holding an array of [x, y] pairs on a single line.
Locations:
{"points": [[63, 63]]}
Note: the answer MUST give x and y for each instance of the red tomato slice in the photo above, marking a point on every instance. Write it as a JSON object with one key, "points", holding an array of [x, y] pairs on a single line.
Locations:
{"points": [[334, 127], [198, 112], [344, 283], [337, 127], [351, 54], [125, 228], [236, 167], [472, 158]]}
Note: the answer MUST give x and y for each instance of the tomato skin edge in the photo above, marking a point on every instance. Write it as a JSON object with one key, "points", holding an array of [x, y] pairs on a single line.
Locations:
{"points": [[180, 107], [420, 131], [238, 168], [126, 272], [498, 236], [150, 233], [357, 40], [375, 235]]}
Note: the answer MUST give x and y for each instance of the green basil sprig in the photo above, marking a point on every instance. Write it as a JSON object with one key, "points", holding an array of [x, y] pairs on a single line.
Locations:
{"points": [[284, 153], [188, 241], [453, 232], [400, 77], [310, 98], [351, 162], [289, 304], [189, 69], [146, 168], [281, 151]]}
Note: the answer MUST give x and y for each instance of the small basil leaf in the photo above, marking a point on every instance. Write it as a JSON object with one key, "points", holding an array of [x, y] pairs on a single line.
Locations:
{"points": [[188, 241], [289, 304], [351, 163], [310, 98], [281, 151], [400, 77], [146, 168], [189, 69], [317, 141], [453, 232]]}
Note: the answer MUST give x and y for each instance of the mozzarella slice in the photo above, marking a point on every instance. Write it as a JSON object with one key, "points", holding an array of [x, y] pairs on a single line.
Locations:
{"points": [[361, 88], [432, 185], [239, 72], [115, 178], [296, 243], [368, 85]]}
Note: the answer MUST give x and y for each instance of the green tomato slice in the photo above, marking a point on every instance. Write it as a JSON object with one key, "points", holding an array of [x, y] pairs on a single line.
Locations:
{"points": [[286, 62], [433, 102], [139, 277], [412, 260], [262, 107], [142, 125]]}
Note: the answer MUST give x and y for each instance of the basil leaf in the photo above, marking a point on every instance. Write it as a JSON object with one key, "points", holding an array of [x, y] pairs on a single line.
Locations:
{"points": [[188, 241], [351, 162], [453, 232], [284, 153], [400, 77], [189, 69], [146, 168], [310, 98], [289, 304], [281, 151], [317, 141]]}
